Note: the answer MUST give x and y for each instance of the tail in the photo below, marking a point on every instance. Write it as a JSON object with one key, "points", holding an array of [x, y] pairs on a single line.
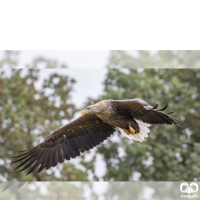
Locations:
{"points": [[141, 135]]}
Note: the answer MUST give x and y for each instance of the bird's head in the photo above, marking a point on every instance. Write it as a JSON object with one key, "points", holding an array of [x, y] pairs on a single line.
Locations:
{"points": [[94, 109], [89, 110], [86, 110]]}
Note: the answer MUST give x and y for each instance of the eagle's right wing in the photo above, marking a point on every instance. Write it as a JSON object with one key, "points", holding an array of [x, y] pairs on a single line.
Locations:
{"points": [[66, 142]]}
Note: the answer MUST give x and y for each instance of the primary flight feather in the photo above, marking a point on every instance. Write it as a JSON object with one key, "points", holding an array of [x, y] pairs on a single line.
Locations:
{"points": [[97, 123]]}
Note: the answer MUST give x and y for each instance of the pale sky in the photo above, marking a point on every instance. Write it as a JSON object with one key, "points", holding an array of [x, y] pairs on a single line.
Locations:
{"points": [[89, 82], [73, 59]]}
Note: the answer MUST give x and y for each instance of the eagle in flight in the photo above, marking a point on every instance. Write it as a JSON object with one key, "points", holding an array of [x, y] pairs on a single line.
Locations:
{"points": [[97, 123]]}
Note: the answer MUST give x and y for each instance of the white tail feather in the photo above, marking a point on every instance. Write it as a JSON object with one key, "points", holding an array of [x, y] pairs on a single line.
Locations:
{"points": [[141, 135], [133, 137]]}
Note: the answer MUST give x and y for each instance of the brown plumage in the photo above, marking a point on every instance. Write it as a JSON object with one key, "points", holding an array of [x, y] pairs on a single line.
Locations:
{"points": [[98, 122]]}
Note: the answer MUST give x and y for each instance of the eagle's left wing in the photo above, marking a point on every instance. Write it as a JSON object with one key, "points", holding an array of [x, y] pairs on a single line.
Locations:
{"points": [[141, 110]]}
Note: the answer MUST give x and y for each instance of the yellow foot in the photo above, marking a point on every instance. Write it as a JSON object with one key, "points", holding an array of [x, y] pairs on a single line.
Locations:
{"points": [[126, 131], [131, 129]]}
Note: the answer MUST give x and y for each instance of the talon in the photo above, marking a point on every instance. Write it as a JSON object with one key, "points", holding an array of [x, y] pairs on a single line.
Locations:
{"points": [[131, 129], [126, 131]]}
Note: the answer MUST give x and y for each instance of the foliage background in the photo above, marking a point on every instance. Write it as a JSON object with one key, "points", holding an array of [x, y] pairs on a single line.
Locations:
{"points": [[27, 115], [91, 190]]}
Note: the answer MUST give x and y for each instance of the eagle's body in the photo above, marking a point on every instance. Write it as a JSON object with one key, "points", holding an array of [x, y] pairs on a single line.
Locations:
{"points": [[99, 121], [113, 116]]}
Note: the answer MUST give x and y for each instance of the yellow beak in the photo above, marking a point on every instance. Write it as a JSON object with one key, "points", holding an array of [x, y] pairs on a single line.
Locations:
{"points": [[83, 112]]}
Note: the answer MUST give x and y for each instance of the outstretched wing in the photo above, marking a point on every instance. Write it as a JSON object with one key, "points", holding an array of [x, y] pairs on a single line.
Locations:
{"points": [[66, 142], [141, 110]]}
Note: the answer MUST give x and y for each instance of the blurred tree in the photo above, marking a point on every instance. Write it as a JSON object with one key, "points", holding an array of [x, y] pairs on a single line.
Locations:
{"points": [[155, 59], [45, 63], [42, 190], [170, 153], [9, 59]]}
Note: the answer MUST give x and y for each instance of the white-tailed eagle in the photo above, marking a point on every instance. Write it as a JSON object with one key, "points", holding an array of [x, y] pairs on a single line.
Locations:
{"points": [[97, 123]]}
